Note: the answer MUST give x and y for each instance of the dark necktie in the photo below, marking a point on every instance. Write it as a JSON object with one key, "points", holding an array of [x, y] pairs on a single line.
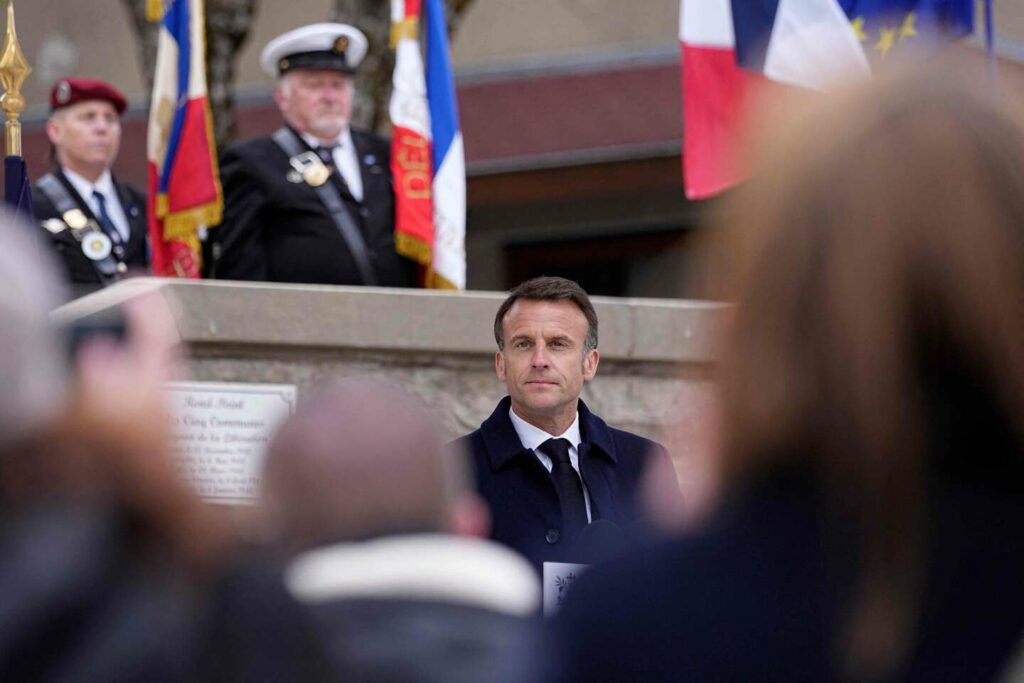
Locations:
{"points": [[108, 225], [326, 155], [567, 484]]}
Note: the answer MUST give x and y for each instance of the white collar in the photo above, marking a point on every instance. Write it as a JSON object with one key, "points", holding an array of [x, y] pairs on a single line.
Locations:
{"points": [[468, 571], [344, 140], [104, 184], [531, 437]]}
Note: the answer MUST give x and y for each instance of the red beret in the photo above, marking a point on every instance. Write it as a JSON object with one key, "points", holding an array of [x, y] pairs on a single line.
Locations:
{"points": [[70, 91]]}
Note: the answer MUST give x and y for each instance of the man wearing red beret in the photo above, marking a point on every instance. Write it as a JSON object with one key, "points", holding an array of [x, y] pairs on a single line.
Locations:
{"points": [[96, 224]]}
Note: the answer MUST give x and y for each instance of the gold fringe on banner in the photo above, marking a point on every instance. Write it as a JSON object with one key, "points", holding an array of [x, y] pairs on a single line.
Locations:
{"points": [[435, 281], [406, 28], [412, 248]]}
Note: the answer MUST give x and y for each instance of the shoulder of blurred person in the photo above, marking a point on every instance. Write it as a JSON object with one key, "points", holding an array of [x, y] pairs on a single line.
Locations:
{"points": [[422, 607], [872, 401]]}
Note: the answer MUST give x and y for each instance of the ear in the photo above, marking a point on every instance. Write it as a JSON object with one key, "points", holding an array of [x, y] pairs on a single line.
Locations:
{"points": [[499, 365], [53, 130], [279, 99], [590, 361]]}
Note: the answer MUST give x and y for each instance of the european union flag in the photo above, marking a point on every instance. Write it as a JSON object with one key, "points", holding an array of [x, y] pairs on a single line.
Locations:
{"points": [[935, 19], [17, 190]]}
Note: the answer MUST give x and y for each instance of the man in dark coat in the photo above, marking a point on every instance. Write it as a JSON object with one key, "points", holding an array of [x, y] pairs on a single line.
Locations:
{"points": [[529, 456], [96, 224], [312, 203]]}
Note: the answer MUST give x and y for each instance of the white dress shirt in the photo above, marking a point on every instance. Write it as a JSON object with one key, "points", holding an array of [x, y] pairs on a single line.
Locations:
{"points": [[346, 160], [105, 186], [532, 437]]}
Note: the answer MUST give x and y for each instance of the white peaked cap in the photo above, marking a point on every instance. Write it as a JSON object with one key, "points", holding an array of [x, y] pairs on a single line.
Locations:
{"points": [[339, 47]]}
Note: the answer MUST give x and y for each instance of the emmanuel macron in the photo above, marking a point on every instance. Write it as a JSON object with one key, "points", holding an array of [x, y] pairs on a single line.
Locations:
{"points": [[546, 466]]}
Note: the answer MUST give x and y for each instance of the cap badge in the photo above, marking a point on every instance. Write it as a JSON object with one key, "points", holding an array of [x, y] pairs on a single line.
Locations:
{"points": [[63, 92], [282, 65], [96, 246], [341, 44]]}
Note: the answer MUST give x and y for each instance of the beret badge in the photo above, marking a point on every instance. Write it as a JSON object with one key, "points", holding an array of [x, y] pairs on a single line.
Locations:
{"points": [[63, 92]]}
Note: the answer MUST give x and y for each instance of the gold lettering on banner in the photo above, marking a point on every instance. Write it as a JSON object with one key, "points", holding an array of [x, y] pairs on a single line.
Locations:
{"points": [[414, 161]]}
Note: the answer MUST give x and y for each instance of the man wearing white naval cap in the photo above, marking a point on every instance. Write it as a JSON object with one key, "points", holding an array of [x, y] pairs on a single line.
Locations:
{"points": [[313, 202]]}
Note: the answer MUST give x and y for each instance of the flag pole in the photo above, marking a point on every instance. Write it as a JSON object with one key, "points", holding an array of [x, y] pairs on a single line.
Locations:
{"points": [[14, 69], [990, 41]]}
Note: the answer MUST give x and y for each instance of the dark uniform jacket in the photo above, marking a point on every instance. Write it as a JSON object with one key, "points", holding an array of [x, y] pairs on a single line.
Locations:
{"points": [[521, 495], [277, 229], [81, 271]]}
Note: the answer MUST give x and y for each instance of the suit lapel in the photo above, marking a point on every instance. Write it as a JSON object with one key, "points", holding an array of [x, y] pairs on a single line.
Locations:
{"points": [[137, 227], [371, 168], [595, 475]]}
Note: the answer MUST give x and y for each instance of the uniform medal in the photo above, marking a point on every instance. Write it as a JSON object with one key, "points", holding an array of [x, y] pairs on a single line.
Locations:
{"points": [[55, 225], [75, 219], [312, 170], [96, 246]]}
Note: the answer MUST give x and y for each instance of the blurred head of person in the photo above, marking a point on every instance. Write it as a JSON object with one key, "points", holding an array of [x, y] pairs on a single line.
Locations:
{"points": [[90, 430], [358, 460], [877, 343], [34, 375]]}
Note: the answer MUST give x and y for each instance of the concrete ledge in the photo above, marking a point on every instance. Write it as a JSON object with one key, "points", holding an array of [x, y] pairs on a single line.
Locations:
{"points": [[213, 314]]}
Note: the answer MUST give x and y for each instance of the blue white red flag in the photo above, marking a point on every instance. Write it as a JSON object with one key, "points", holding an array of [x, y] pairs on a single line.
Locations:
{"points": [[730, 47], [427, 159], [184, 181]]}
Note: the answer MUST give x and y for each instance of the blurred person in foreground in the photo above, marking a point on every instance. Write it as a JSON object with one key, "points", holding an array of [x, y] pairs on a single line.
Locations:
{"points": [[387, 547], [110, 568], [872, 525]]}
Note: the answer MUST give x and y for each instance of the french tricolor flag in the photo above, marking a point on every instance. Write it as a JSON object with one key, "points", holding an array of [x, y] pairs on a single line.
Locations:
{"points": [[732, 47], [427, 160], [184, 180]]}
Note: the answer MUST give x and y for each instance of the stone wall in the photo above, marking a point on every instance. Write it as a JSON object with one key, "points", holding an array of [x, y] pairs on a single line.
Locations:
{"points": [[655, 368]]}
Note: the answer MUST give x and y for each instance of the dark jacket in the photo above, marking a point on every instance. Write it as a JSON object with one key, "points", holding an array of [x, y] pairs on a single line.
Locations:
{"points": [[80, 270], [758, 595], [522, 497], [276, 229], [427, 608]]}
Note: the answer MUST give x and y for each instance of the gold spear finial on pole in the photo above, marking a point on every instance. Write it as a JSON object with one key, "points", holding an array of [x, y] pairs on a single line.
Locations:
{"points": [[14, 69]]}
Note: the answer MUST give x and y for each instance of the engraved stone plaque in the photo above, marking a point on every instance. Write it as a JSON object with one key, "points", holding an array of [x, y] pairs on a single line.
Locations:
{"points": [[221, 434]]}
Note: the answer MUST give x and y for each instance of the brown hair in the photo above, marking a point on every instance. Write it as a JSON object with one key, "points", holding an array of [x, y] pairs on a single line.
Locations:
{"points": [[548, 288], [878, 338]]}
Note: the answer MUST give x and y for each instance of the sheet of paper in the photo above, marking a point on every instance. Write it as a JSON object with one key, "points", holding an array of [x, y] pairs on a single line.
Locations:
{"points": [[558, 580]]}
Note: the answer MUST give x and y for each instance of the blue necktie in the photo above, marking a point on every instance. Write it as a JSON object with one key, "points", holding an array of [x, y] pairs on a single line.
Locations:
{"points": [[104, 219]]}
